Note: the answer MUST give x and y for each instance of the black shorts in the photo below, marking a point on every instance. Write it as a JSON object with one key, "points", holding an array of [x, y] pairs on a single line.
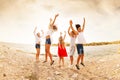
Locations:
{"points": [[80, 48], [48, 41], [37, 45]]}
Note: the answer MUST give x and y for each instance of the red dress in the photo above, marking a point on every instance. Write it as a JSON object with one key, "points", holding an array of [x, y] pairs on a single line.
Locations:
{"points": [[62, 51]]}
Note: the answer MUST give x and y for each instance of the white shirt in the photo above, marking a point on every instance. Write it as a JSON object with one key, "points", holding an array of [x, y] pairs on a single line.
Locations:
{"points": [[37, 39], [72, 41], [80, 38], [49, 32]]}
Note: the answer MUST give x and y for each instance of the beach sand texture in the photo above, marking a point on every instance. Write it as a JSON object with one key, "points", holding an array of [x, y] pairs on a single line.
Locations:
{"points": [[102, 63]]}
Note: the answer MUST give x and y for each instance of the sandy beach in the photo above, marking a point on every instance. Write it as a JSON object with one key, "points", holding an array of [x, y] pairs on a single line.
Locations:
{"points": [[101, 63]]}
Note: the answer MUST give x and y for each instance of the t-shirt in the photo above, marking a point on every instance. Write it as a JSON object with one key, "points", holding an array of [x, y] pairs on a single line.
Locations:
{"points": [[80, 38], [49, 32], [37, 39]]}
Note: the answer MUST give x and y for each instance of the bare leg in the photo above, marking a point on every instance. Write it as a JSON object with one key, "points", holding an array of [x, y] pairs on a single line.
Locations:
{"points": [[82, 58], [59, 61], [63, 61], [37, 54], [78, 59], [48, 51], [46, 54], [49, 54], [71, 59]]}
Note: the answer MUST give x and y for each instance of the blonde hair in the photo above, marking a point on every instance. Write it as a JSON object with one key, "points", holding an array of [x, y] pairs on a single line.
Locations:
{"points": [[61, 41]]}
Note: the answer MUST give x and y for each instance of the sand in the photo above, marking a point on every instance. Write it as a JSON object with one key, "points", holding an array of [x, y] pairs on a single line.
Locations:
{"points": [[17, 64]]}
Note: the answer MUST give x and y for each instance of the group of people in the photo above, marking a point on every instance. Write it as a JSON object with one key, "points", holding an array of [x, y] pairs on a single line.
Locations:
{"points": [[76, 42]]}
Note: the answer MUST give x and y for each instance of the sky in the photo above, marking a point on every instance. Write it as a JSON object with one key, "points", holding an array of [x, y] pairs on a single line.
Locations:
{"points": [[18, 18]]}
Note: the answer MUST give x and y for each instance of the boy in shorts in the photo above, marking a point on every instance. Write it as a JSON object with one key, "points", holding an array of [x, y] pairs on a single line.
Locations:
{"points": [[80, 41]]}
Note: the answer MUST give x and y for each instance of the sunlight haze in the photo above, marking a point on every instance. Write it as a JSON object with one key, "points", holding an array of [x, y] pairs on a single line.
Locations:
{"points": [[18, 18]]}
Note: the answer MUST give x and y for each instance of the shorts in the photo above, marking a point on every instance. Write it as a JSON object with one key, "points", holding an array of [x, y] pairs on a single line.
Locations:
{"points": [[37, 46], [80, 48], [48, 41], [72, 50]]}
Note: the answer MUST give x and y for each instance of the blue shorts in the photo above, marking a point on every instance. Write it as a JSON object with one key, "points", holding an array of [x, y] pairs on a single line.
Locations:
{"points": [[48, 41], [37, 46], [80, 48]]}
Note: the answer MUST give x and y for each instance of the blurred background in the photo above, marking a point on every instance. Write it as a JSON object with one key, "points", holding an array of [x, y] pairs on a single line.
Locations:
{"points": [[18, 18]]}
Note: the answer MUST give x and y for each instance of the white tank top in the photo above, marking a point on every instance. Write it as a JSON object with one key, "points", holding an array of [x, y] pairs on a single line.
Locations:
{"points": [[80, 38], [72, 41]]}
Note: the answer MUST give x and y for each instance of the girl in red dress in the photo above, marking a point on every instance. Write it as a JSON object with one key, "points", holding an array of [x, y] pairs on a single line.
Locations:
{"points": [[61, 49]]}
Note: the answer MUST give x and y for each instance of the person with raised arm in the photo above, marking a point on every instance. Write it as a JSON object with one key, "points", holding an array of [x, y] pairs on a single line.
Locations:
{"points": [[80, 41], [72, 46], [51, 28], [61, 49], [37, 42]]}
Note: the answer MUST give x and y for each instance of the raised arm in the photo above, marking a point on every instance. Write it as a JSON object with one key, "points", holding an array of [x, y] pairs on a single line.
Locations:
{"points": [[69, 31], [76, 33], [50, 20], [35, 30], [42, 33], [83, 26], [64, 35], [54, 19]]}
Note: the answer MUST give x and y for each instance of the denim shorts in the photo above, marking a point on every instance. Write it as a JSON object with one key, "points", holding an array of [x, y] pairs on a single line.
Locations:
{"points": [[48, 41], [80, 48], [37, 45]]}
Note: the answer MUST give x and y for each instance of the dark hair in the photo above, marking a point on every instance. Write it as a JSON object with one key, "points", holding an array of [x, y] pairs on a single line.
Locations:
{"points": [[77, 26], [55, 28]]}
